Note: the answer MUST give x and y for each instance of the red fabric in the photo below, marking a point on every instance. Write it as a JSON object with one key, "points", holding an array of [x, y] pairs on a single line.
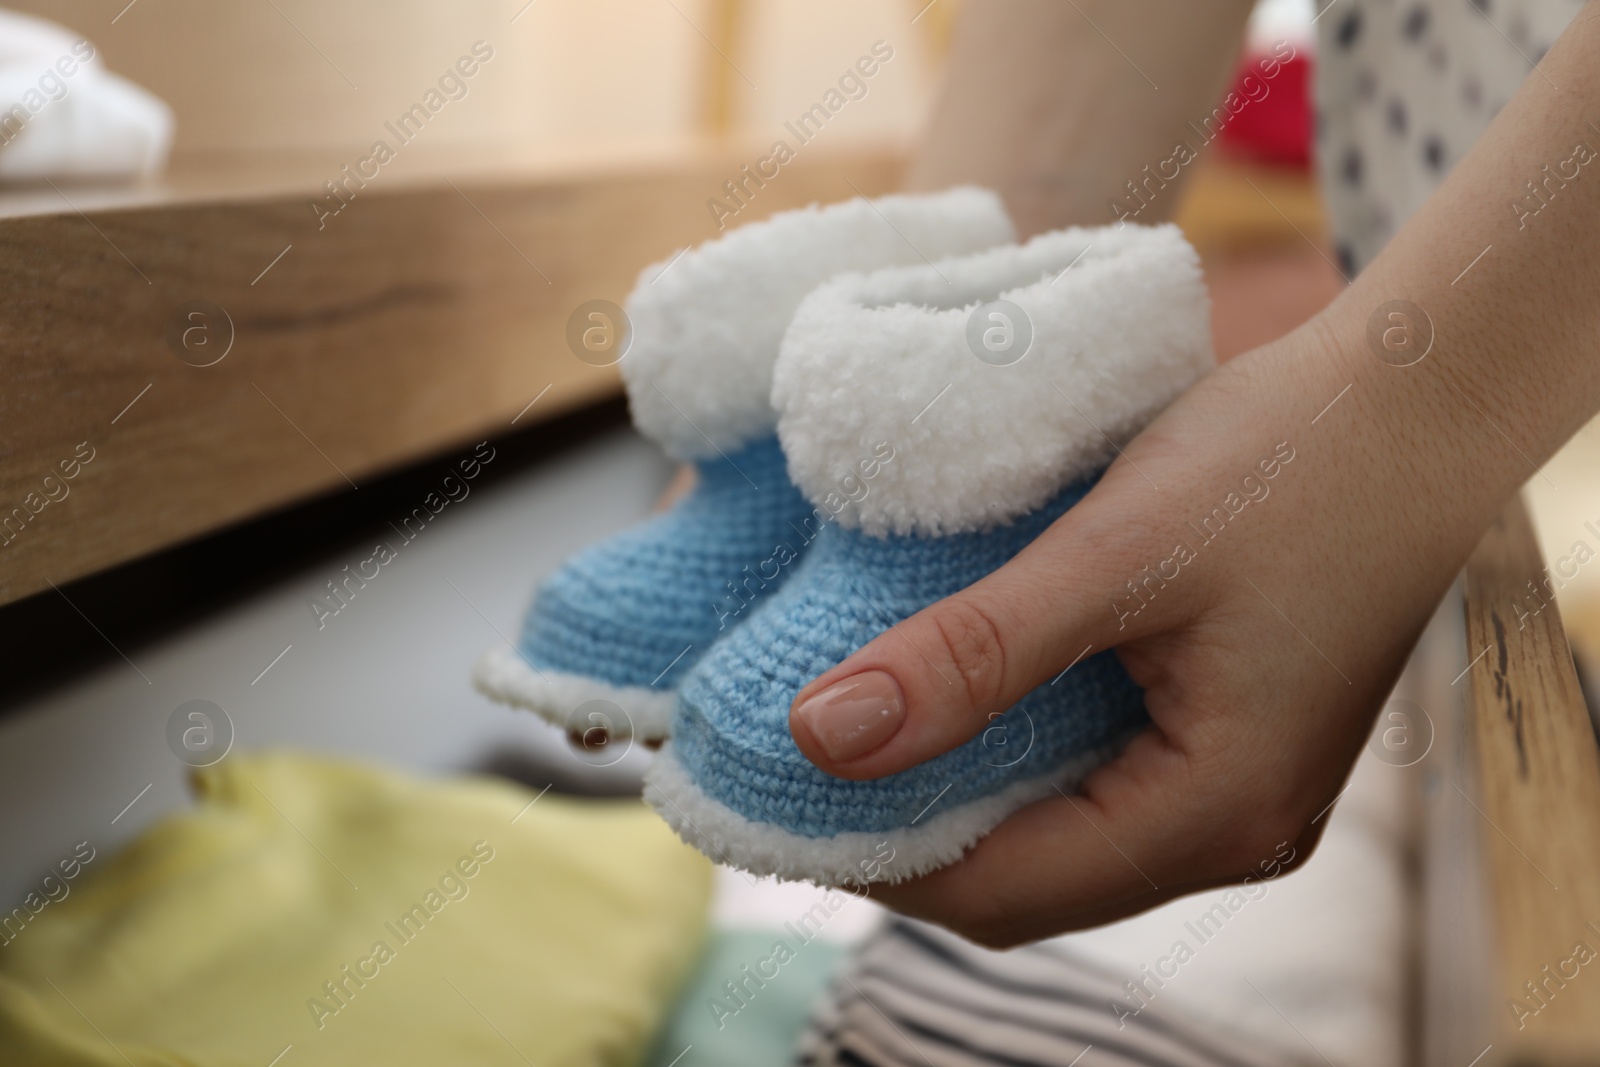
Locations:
{"points": [[1275, 128]]}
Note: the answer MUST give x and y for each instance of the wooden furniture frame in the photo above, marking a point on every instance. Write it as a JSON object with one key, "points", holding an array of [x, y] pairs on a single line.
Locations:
{"points": [[426, 315], [1511, 825]]}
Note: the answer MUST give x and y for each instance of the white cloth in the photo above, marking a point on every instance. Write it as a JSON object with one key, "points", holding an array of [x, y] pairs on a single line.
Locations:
{"points": [[1312, 963], [63, 115], [1305, 968]]}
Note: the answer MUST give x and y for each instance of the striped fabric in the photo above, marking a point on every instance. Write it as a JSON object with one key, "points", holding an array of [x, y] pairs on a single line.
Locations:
{"points": [[917, 996]]}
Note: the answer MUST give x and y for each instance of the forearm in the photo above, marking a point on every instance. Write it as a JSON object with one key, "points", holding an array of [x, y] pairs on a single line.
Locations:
{"points": [[1057, 106], [1510, 283]]}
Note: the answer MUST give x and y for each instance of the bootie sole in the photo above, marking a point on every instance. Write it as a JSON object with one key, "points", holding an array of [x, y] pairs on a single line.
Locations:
{"points": [[934, 839]]}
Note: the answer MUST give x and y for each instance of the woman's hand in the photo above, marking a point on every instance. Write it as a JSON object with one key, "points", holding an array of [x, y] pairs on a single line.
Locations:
{"points": [[1263, 557], [1257, 583], [1266, 647]]}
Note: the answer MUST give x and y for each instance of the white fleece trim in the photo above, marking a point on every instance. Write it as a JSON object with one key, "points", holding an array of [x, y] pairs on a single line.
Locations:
{"points": [[706, 326], [884, 357], [762, 849], [506, 678]]}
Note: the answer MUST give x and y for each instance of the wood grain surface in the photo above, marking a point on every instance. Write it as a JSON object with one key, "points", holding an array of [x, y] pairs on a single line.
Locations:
{"points": [[422, 317], [1537, 790]]}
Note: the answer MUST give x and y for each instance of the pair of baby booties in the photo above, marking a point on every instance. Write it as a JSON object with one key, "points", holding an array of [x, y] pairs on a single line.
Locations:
{"points": [[866, 443]]}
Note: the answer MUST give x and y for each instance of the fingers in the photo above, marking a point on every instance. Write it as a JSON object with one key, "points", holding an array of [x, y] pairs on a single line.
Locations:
{"points": [[1145, 830], [935, 680]]}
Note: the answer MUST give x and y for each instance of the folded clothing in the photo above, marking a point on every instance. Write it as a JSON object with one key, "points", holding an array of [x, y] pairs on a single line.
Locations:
{"points": [[917, 994], [1315, 961], [63, 115], [360, 916], [1302, 968], [748, 1001]]}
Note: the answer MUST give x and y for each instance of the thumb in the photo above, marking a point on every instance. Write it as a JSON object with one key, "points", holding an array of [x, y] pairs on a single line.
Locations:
{"points": [[935, 680]]}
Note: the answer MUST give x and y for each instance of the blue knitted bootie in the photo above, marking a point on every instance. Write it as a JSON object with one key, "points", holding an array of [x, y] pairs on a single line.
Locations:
{"points": [[610, 633], [939, 418]]}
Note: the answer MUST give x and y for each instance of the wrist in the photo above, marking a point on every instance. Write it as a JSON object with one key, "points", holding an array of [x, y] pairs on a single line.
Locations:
{"points": [[1467, 397], [1407, 472]]}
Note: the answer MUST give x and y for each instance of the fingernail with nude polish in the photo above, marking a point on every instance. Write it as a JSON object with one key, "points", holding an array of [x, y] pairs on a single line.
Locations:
{"points": [[855, 716]]}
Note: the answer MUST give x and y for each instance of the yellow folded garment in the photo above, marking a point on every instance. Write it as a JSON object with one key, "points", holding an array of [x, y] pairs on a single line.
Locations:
{"points": [[332, 914]]}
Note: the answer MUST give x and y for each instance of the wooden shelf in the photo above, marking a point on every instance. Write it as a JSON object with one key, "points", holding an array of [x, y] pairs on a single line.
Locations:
{"points": [[1233, 206], [1512, 804], [425, 316]]}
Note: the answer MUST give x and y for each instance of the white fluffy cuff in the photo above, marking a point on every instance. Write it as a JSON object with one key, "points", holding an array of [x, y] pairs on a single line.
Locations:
{"points": [[989, 412], [504, 676], [706, 327]]}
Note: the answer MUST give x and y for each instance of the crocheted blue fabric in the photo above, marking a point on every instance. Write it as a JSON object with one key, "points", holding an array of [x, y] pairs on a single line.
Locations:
{"points": [[731, 730], [638, 609]]}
